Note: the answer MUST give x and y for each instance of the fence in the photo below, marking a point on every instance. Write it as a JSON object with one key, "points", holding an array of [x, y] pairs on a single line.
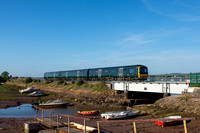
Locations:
{"points": [[53, 122], [194, 79], [144, 120]]}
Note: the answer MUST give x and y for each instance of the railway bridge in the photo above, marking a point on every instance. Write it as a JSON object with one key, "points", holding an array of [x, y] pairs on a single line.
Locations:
{"points": [[150, 90]]}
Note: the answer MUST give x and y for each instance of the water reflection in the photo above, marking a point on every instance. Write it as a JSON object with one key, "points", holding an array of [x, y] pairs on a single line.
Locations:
{"points": [[26, 111]]}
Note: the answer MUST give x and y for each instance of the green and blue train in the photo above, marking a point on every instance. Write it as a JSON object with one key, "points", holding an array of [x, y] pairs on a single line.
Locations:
{"points": [[127, 73]]}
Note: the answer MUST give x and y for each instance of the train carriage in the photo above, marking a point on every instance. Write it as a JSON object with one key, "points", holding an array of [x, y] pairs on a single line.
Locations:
{"points": [[128, 73]]}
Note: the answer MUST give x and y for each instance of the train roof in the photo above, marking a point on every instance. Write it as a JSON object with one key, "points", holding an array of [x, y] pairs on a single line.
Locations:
{"points": [[97, 68]]}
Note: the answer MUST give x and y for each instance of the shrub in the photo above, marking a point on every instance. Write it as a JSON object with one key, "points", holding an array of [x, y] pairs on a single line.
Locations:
{"points": [[73, 82], [60, 82], [80, 82], [100, 86], [28, 80], [48, 81]]}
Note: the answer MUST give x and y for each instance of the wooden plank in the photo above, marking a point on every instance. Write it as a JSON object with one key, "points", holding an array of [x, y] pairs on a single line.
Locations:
{"points": [[46, 123], [65, 130]]}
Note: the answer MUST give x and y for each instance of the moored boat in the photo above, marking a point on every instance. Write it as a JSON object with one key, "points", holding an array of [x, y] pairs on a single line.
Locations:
{"points": [[53, 103], [168, 122], [91, 112], [119, 115], [29, 89], [37, 94], [81, 127]]}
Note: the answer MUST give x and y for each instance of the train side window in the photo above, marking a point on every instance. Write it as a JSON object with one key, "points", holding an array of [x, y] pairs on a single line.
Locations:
{"points": [[131, 71]]}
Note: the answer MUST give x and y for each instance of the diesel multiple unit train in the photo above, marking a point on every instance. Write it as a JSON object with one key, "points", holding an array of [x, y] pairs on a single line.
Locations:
{"points": [[127, 73]]}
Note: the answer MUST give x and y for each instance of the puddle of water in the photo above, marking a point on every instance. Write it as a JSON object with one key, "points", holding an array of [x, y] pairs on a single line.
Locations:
{"points": [[26, 111]]}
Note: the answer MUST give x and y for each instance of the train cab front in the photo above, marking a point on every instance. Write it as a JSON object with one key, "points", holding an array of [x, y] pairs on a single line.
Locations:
{"points": [[142, 72]]}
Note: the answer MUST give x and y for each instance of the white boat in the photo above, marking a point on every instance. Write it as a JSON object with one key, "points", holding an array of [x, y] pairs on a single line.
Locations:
{"points": [[29, 89], [81, 127], [37, 94], [119, 115], [53, 103]]}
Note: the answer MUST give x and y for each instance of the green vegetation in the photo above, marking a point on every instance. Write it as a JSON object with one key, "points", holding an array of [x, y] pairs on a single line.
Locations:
{"points": [[183, 98], [60, 82], [28, 80], [79, 83], [4, 76], [100, 86], [48, 81]]}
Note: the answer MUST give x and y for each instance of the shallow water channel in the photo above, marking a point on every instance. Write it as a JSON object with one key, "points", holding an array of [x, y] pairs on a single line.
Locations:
{"points": [[26, 111]]}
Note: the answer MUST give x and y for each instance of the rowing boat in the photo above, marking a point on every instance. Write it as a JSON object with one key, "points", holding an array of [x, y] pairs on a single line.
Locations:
{"points": [[91, 112], [168, 122]]}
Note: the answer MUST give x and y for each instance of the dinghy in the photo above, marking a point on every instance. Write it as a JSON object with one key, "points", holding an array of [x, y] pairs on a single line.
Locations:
{"points": [[118, 115], [29, 89], [92, 112], [168, 122], [81, 127], [53, 103], [37, 94]]}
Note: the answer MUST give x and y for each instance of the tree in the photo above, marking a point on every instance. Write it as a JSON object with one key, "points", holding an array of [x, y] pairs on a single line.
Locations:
{"points": [[5, 75], [2, 79]]}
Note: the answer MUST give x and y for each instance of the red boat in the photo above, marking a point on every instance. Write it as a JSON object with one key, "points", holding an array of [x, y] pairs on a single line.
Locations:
{"points": [[92, 112], [168, 122]]}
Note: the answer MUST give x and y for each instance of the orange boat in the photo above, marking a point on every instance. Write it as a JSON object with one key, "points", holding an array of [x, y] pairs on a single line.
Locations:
{"points": [[168, 122], [92, 112]]}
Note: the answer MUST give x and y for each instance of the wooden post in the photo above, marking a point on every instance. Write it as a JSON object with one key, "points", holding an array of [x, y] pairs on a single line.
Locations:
{"points": [[57, 122], [134, 126], [98, 125], [68, 125], [42, 115], [36, 113], [50, 119], [84, 126], [185, 127]]}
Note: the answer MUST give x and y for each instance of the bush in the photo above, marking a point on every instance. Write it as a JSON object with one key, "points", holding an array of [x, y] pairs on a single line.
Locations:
{"points": [[60, 82], [73, 82], [28, 80], [48, 81], [100, 86], [80, 82], [2, 79], [36, 80]]}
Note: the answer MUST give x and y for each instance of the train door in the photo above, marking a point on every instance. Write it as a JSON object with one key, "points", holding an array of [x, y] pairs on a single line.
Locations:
{"points": [[121, 72], [99, 72], [66, 75], [78, 74]]}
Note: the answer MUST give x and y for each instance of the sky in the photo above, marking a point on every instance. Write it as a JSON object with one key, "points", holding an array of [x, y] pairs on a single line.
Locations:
{"points": [[38, 36]]}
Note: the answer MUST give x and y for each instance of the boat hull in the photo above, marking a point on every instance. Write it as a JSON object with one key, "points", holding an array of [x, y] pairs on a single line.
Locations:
{"points": [[96, 112], [168, 122], [52, 105]]}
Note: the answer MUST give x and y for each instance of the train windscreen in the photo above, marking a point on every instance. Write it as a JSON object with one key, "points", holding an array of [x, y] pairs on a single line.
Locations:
{"points": [[143, 70]]}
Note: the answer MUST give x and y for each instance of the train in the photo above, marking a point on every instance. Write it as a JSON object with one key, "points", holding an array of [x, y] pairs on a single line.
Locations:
{"points": [[117, 73]]}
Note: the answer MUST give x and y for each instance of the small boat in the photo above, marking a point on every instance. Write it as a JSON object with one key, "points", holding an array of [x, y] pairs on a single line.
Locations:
{"points": [[29, 89], [37, 94], [168, 122], [91, 112], [53, 103], [81, 127], [119, 115]]}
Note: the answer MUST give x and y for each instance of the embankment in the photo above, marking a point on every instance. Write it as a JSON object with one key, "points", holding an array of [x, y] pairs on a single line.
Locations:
{"points": [[80, 96]]}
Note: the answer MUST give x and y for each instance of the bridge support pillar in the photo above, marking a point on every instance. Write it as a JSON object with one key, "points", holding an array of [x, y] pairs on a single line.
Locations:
{"points": [[125, 94]]}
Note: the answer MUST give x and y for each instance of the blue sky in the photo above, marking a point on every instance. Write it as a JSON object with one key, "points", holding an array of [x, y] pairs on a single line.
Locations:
{"points": [[37, 36]]}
